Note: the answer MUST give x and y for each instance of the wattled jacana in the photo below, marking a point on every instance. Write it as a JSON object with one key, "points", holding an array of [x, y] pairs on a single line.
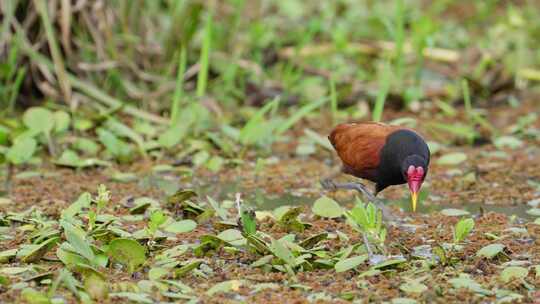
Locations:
{"points": [[384, 154]]}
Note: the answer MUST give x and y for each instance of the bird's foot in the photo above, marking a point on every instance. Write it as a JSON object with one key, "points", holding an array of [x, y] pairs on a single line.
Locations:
{"points": [[330, 185]]}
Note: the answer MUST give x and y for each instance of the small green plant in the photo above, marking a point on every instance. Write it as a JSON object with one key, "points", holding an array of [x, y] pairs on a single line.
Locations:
{"points": [[366, 218], [156, 220], [462, 229], [101, 200]]}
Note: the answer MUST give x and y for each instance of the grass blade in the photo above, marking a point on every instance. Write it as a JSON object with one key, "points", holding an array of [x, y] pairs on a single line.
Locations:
{"points": [[466, 97], [179, 90], [202, 78], [303, 111], [333, 98], [385, 80], [59, 66]]}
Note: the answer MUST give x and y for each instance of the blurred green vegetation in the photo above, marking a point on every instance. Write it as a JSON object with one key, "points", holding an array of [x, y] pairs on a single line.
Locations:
{"points": [[189, 76]]}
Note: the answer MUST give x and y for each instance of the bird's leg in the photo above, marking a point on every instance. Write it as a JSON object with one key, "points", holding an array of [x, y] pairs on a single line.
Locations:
{"points": [[331, 185], [368, 248]]}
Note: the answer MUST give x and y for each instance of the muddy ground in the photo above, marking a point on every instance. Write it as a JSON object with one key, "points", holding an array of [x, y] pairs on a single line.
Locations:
{"points": [[507, 178]]}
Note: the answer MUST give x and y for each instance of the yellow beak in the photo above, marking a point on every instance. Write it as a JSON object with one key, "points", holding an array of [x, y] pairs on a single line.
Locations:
{"points": [[414, 199]]}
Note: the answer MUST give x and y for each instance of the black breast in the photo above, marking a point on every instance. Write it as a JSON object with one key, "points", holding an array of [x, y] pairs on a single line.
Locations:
{"points": [[398, 146]]}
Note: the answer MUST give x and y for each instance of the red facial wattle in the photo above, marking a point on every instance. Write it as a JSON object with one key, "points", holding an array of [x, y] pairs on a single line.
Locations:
{"points": [[415, 177]]}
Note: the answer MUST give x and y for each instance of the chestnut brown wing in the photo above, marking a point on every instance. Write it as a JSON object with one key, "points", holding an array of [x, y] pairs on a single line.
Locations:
{"points": [[359, 146]]}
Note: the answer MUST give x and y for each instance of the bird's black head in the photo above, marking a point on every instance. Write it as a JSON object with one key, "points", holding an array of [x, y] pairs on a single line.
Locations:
{"points": [[414, 169]]}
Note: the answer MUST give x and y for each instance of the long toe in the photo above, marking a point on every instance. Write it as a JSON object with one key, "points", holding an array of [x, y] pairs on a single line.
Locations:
{"points": [[328, 184]]}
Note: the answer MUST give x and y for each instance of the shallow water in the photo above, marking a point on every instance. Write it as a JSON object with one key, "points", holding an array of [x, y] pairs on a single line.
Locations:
{"points": [[263, 201]]}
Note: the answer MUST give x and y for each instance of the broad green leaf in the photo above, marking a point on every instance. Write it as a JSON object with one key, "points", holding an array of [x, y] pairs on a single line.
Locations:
{"points": [[77, 239], [462, 229], [122, 130], [128, 252], [7, 255], [32, 296], [350, 263], [83, 201], [114, 145], [133, 297], [227, 286], [95, 285], [508, 142], [181, 196], [249, 222], [534, 211], [403, 301], [187, 267], [38, 251], [465, 281], [174, 135], [490, 251], [513, 272], [61, 121], [39, 119], [281, 251], [233, 237], [156, 273], [86, 146], [327, 207], [181, 226], [22, 150], [221, 212], [452, 158], [413, 287]]}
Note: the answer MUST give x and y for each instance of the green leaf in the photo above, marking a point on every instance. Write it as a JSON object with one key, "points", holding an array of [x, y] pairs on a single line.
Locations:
{"points": [[350, 263], [69, 158], [413, 287], [187, 267], [61, 121], [38, 251], [32, 296], [181, 226], [233, 237], [128, 252], [281, 251], [95, 284], [76, 237], [463, 228], [133, 297], [534, 211], [490, 251], [327, 207], [114, 145], [508, 142], [85, 146], [227, 286], [83, 201], [221, 212], [156, 273], [39, 119], [403, 301], [452, 158], [22, 150], [174, 135], [249, 222], [514, 272], [465, 281]]}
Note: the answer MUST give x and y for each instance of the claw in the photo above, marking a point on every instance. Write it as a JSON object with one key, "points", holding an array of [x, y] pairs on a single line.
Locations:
{"points": [[328, 184]]}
